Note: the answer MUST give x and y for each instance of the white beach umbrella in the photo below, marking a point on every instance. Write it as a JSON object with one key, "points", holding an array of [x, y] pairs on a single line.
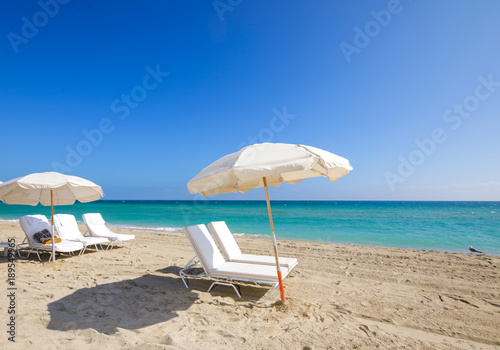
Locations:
{"points": [[268, 164], [49, 188]]}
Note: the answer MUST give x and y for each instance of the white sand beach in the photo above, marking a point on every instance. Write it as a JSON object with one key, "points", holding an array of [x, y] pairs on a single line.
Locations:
{"points": [[339, 297]]}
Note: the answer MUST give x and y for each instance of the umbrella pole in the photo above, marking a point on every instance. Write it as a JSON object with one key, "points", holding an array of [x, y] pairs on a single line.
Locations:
{"points": [[280, 279], [52, 223]]}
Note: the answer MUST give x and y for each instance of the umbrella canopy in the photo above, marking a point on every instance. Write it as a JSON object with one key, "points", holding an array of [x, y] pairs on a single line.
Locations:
{"points": [[35, 188], [266, 164], [49, 188], [277, 162]]}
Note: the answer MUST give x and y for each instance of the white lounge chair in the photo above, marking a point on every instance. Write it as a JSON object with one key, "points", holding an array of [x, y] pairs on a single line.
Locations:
{"points": [[32, 224], [231, 251], [96, 227], [224, 273], [67, 228]]}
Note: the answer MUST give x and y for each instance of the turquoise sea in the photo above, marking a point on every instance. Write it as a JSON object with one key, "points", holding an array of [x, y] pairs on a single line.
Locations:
{"points": [[440, 226]]}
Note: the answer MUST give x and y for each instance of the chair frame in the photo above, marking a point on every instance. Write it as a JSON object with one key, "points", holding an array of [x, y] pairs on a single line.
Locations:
{"points": [[224, 246], [85, 244], [35, 247], [113, 239], [225, 281]]}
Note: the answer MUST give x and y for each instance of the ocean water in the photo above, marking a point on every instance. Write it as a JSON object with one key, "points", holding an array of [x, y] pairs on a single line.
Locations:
{"points": [[440, 226]]}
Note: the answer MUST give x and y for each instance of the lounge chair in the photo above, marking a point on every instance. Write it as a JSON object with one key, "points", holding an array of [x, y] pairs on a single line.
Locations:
{"points": [[231, 251], [32, 224], [96, 227], [67, 228], [224, 273]]}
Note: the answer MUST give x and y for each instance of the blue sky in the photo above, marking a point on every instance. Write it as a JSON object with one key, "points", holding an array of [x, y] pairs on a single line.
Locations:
{"points": [[140, 96]]}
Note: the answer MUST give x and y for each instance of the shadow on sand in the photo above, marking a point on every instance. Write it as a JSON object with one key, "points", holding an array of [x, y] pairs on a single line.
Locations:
{"points": [[129, 304]]}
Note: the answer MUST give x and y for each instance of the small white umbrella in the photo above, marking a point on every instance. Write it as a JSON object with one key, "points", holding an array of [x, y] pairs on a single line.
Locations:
{"points": [[49, 188], [268, 164]]}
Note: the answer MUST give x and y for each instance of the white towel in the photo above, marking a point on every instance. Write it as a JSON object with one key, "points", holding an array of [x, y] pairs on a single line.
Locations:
{"points": [[97, 219], [34, 219]]}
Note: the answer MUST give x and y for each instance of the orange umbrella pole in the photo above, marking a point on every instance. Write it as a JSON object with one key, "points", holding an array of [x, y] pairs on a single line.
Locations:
{"points": [[275, 244]]}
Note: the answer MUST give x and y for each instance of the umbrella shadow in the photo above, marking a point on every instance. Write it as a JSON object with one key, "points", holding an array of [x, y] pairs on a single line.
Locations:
{"points": [[128, 304]]}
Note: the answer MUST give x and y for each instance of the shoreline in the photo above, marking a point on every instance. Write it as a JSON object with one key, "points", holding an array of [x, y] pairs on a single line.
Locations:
{"points": [[423, 226], [340, 296], [167, 230]]}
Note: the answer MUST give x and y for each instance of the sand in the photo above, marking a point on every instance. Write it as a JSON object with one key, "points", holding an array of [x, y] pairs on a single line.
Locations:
{"points": [[339, 297]]}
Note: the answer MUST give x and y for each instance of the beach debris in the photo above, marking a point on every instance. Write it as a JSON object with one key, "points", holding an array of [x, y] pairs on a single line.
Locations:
{"points": [[474, 250]]}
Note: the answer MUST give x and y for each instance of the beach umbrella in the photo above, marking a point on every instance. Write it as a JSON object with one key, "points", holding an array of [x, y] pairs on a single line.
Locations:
{"points": [[49, 188], [268, 164]]}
